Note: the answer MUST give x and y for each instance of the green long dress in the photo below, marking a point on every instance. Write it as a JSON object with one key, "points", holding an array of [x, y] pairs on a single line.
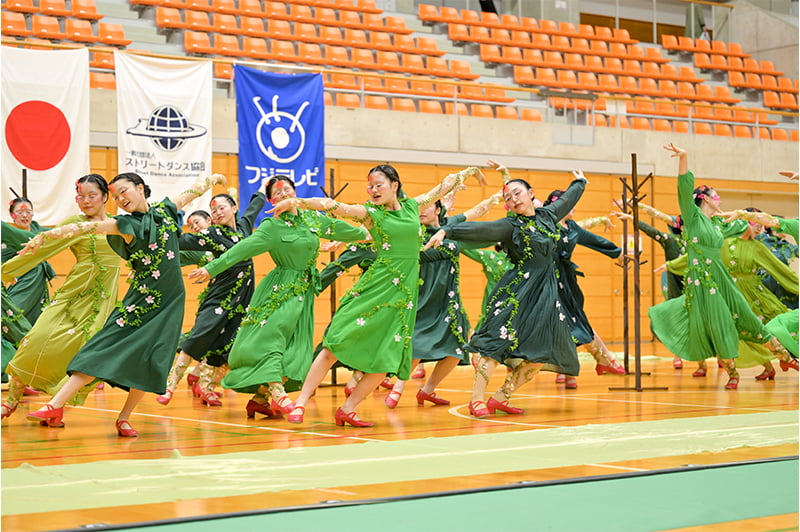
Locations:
{"points": [[712, 315], [671, 283], [275, 341], [746, 260], [525, 318], [224, 302], [31, 292], [372, 328], [77, 311], [136, 346]]}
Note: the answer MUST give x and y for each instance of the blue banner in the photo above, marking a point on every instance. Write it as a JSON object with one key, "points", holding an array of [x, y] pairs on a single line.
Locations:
{"points": [[281, 121]]}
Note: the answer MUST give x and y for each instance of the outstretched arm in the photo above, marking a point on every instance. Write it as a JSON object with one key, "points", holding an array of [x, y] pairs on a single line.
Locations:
{"points": [[483, 207], [329, 205], [759, 217], [500, 168], [448, 184], [198, 189], [591, 223], [107, 227], [655, 213]]}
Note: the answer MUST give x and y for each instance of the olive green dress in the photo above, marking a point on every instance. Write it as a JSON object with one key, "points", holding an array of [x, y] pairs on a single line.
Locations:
{"points": [[275, 340], [136, 346], [77, 311], [31, 292], [372, 328]]}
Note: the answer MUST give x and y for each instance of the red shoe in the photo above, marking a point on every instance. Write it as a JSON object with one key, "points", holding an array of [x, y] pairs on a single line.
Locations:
{"points": [[478, 409], [164, 399], [191, 380], [297, 418], [48, 414], [766, 375], [7, 410], [30, 391], [392, 398], [387, 383], [561, 378], [720, 364], [677, 363], [792, 364], [571, 383], [125, 429], [613, 367], [285, 405], [431, 398], [419, 373], [252, 407], [196, 391], [733, 383], [210, 399], [493, 404], [348, 390], [101, 386], [699, 372], [350, 418]]}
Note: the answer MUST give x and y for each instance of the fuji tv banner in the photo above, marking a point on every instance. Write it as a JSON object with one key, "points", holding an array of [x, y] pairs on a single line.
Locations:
{"points": [[45, 114], [164, 110], [281, 122]]}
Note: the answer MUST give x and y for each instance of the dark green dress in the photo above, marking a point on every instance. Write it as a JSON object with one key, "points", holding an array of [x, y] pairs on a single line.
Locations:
{"points": [[31, 291], [671, 283], [136, 346], [15, 326], [525, 317], [224, 302], [275, 340]]}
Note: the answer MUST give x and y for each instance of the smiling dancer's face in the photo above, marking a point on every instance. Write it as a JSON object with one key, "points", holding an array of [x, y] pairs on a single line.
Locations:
{"points": [[380, 188], [90, 199], [129, 196]]}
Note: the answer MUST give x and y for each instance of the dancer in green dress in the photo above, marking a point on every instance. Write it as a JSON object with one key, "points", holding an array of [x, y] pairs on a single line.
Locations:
{"points": [[272, 350], [525, 326], [78, 309], [712, 315], [15, 326], [135, 348], [223, 303], [371, 330], [30, 292]]}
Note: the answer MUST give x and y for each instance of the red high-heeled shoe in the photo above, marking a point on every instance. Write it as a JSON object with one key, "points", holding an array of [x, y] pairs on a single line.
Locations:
{"points": [[419, 373], [571, 383], [478, 409], [164, 399], [350, 418], [254, 407], [196, 391], [493, 404], [733, 383], [699, 372], [348, 390], [720, 363], [387, 383], [284, 405], [561, 378], [50, 415], [30, 391], [677, 363], [7, 409], [392, 398], [613, 367], [431, 398], [766, 375], [791, 364], [297, 418], [210, 399], [125, 429], [191, 380]]}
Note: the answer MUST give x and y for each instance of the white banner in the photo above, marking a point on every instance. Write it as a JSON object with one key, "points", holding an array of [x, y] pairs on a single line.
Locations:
{"points": [[45, 113], [164, 110]]}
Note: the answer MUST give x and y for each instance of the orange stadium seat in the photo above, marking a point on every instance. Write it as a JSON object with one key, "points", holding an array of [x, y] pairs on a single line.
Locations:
{"points": [[348, 100], [104, 60], [86, 9], [531, 115], [14, 24], [46, 27], [197, 21], [742, 132], [195, 42], [680, 126], [251, 8], [79, 30], [376, 102], [430, 106], [702, 128], [722, 130], [112, 33], [779, 134], [102, 80], [481, 110], [21, 6], [459, 109], [507, 113], [404, 104], [54, 8]]}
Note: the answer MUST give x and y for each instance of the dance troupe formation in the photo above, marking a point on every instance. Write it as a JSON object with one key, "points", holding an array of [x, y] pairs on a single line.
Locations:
{"points": [[727, 294]]}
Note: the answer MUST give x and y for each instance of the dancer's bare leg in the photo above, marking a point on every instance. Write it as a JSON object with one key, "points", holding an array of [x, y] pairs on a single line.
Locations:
{"points": [[364, 387], [441, 370], [483, 372], [319, 368]]}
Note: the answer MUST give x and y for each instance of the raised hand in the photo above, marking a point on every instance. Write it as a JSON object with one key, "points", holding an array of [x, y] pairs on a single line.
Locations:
{"points": [[676, 151], [579, 175], [199, 275]]}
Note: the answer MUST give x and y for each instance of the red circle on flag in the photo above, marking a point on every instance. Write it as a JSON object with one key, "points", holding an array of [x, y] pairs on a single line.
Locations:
{"points": [[37, 134]]}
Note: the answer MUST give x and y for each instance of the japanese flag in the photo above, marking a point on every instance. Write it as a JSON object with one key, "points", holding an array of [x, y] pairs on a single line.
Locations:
{"points": [[45, 113]]}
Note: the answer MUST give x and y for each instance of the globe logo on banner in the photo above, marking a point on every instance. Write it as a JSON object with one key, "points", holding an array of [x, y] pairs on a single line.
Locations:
{"points": [[288, 142], [167, 127]]}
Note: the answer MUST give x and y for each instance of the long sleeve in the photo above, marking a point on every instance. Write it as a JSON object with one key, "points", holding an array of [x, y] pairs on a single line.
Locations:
{"points": [[248, 219], [496, 231], [667, 241], [689, 211], [788, 226], [783, 274], [22, 264], [567, 201], [355, 254], [335, 229], [678, 266], [262, 241], [598, 243]]}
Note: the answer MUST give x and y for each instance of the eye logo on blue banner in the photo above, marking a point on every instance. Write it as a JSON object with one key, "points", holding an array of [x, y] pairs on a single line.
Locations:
{"points": [[281, 125]]}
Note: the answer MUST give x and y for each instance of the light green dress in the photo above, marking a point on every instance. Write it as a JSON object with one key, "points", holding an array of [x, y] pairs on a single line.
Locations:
{"points": [[275, 340], [372, 328], [77, 311]]}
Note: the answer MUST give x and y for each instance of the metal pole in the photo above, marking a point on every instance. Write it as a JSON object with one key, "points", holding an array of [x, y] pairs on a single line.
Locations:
{"points": [[636, 292], [625, 331], [655, 23]]}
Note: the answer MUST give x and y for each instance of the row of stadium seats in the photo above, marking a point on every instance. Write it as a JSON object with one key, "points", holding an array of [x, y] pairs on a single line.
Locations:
{"points": [[76, 30]]}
